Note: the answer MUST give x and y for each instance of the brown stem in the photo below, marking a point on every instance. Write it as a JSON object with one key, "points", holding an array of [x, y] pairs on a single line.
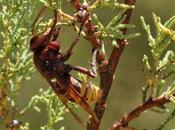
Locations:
{"points": [[137, 111], [76, 4], [3, 105], [90, 36], [107, 73]]}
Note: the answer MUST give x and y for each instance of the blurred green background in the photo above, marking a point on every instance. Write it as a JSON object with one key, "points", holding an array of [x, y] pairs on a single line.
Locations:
{"points": [[126, 90]]}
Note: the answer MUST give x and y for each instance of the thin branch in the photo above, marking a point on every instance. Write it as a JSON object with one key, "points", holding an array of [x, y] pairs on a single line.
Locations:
{"points": [[76, 4], [90, 36], [117, 51], [137, 111], [107, 72]]}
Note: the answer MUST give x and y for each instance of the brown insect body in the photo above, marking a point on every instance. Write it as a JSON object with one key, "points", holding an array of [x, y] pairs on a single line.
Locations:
{"points": [[50, 63]]}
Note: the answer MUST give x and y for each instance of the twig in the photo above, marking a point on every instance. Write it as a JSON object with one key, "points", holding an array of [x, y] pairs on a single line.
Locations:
{"points": [[90, 36], [137, 111], [107, 72], [3, 105], [76, 4]]}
